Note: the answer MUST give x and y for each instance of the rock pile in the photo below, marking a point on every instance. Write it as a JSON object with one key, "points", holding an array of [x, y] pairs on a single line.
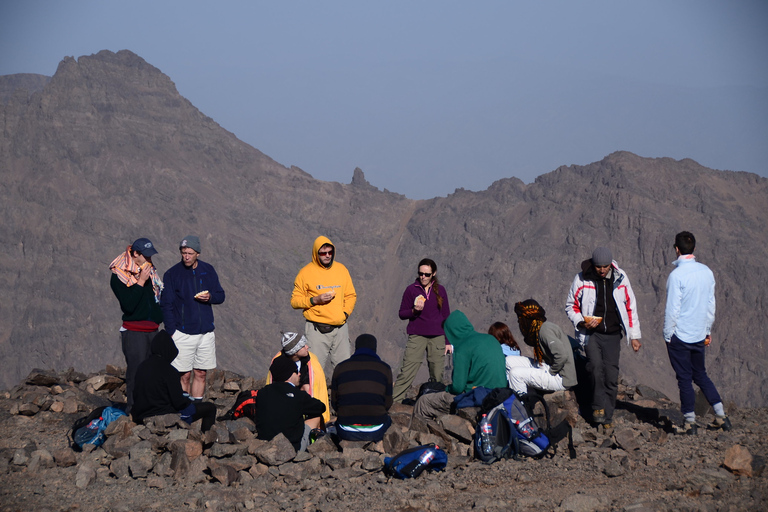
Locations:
{"points": [[637, 465]]}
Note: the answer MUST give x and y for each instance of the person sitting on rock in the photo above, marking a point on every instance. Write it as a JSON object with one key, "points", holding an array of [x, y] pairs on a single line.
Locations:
{"points": [[503, 334], [281, 407], [158, 391], [311, 374], [552, 367], [361, 393], [477, 361]]}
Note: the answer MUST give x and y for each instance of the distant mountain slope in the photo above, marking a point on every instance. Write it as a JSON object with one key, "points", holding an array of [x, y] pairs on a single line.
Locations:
{"points": [[22, 83], [109, 151]]}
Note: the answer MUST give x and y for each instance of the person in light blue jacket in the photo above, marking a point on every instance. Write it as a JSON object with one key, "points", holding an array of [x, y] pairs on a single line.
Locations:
{"points": [[688, 319]]}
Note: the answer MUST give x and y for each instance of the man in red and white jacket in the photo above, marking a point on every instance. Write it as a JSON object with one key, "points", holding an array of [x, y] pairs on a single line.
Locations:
{"points": [[601, 305]]}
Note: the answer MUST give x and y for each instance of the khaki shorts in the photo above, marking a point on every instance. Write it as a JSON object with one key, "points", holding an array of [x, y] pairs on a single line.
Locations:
{"points": [[196, 351]]}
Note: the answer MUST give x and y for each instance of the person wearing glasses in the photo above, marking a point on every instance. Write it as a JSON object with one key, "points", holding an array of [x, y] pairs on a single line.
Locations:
{"points": [[602, 307], [323, 289], [425, 306]]}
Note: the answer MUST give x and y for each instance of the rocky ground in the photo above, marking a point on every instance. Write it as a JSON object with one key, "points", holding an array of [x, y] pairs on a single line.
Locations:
{"points": [[638, 465]]}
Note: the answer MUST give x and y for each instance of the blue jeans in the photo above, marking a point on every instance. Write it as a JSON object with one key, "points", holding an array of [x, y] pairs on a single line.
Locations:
{"points": [[688, 362]]}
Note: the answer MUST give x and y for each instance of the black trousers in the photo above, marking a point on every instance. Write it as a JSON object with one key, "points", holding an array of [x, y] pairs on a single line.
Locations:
{"points": [[603, 352]]}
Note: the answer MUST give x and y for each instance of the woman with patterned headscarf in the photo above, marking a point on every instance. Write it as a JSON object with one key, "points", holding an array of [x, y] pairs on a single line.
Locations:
{"points": [[552, 367]]}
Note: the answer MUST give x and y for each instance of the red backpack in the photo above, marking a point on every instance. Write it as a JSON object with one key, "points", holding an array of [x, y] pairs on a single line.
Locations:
{"points": [[245, 406]]}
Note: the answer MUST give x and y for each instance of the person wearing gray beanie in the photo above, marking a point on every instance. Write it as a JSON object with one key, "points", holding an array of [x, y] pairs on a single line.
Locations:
{"points": [[192, 287], [295, 347], [601, 305]]}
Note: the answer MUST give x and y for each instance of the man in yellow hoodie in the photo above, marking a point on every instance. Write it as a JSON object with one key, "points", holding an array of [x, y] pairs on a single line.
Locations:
{"points": [[324, 290]]}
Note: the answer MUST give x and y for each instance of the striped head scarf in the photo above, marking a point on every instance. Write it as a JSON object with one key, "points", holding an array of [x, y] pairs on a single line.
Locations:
{"points": [[530, 316], [126, 269]]}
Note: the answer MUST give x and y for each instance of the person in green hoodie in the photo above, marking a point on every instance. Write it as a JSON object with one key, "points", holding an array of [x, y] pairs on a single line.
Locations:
{"points": [[477, 361]]}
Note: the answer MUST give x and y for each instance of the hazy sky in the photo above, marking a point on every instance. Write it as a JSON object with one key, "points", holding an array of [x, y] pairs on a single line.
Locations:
{"points": [[430, 96]]}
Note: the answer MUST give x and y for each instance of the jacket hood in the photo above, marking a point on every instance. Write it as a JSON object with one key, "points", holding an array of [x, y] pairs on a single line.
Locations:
{"points": [[164, 347], [319, 242], [458, 328]]}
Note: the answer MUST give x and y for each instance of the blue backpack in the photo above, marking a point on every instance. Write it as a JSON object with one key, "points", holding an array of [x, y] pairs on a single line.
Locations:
{"points": [[507, 430], [531, 441], [90, 429], [413, 461], [494, 439]]}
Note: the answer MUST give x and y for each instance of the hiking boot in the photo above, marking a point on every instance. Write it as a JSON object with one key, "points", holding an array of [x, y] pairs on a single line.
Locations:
{"points": [[315, 434], [688, 428], [720, 422], [598, 416]]}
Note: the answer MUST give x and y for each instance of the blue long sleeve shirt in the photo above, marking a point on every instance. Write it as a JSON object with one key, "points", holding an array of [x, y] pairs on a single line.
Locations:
{"points": [[690, 310]]}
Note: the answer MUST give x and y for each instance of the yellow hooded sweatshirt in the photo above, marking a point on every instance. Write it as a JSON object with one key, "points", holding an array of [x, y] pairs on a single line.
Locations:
{"points": [[315, 279]]}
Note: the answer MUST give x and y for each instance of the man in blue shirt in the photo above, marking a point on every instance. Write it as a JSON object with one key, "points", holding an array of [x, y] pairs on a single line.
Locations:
{"points": [[191, 287], [688, 319]]}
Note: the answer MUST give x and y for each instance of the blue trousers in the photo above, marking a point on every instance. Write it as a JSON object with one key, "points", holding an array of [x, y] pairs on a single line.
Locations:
{"points": [[688, 362]]}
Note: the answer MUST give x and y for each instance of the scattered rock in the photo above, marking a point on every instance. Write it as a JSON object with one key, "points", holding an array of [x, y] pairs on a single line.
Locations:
{"points": [[738, 460], [275, 452], [85, 476]]}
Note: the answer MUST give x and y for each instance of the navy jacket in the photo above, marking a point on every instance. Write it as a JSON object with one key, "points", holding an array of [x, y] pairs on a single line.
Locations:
{"points": [[180, 309], [361, 389]]}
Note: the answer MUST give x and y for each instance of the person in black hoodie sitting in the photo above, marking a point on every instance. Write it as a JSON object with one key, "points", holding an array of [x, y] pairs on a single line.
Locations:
{"points": [[282, 407], [158, 390]]}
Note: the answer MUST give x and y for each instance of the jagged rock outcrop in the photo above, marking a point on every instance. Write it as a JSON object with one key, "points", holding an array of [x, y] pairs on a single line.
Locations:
{"points": [[108, 151]]}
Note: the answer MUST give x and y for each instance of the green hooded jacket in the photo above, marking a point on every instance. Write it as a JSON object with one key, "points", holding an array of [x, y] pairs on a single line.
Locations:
{"points": [[477, 357]]}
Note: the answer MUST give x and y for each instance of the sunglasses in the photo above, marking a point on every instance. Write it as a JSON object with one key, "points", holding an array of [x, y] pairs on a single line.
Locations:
{"points": [[324, 253], [425, 274]]}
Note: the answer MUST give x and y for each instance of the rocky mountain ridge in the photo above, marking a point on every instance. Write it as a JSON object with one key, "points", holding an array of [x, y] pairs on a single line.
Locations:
{"points": [[108, 151]]}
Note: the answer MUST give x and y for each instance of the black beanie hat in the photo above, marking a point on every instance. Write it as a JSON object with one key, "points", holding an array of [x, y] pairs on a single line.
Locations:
{"points": [[282, 368], [366, 341]]}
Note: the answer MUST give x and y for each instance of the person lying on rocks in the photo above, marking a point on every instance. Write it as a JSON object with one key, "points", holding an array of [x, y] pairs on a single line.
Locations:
{"points": [[311, 374], [477, 361], [158, 391], [282, 407], [361, 393]]}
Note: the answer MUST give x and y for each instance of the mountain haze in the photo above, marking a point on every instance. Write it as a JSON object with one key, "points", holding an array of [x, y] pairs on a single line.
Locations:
{"points": [[107, 151]]}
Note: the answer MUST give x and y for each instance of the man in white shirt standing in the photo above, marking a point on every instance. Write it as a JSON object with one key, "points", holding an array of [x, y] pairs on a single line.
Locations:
{"points": [[688, 320]]}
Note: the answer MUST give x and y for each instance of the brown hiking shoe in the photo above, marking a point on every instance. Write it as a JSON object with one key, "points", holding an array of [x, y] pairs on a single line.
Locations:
{"points": [[598, 415], [720, 422], [688, 428]]}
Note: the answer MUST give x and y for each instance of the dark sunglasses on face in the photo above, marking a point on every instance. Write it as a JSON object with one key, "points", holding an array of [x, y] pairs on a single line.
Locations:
{"points": [[425, 274], [324, 253]]}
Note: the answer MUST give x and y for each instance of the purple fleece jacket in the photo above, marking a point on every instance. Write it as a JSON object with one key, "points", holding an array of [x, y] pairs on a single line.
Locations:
{"points": [[429, 321]]}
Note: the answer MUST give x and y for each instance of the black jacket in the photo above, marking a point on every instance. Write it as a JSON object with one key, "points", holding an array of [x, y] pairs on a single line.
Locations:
{"points": [[282, 407], [158, 389], [605, 305]]}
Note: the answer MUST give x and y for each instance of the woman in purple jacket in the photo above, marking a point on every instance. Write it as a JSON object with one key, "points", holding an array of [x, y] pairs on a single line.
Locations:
{"points": [[425, 306]]}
